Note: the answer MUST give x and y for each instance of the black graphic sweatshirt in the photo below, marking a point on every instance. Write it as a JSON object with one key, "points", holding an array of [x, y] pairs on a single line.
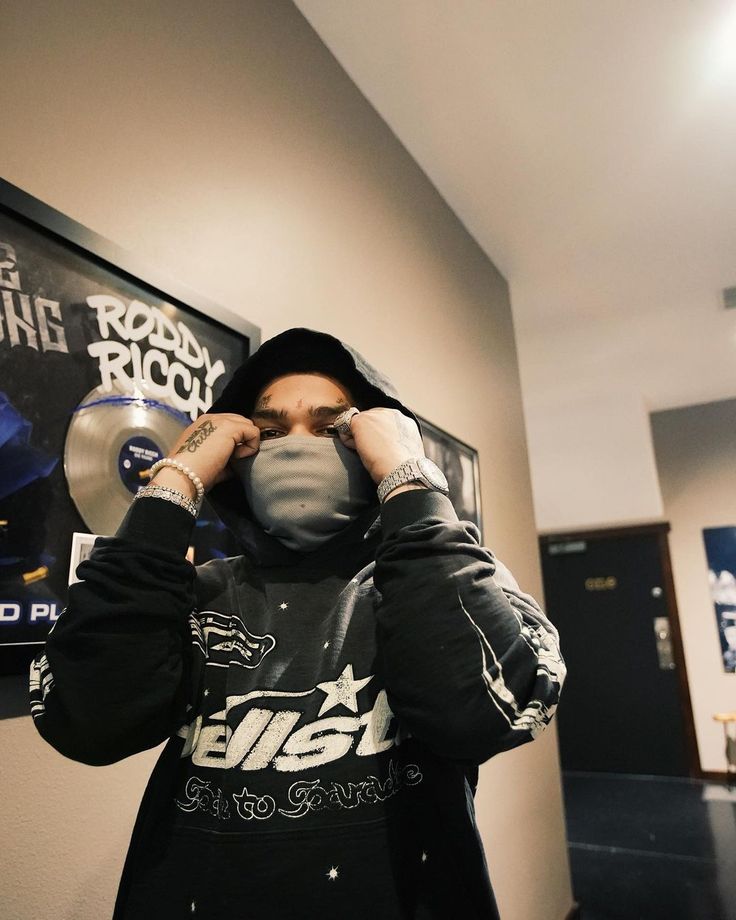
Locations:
{"points": [[326, 712]]}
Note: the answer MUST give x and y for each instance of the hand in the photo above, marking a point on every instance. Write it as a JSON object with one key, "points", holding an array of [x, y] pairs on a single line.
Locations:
{"points": [[208, 445], [383, 438]]}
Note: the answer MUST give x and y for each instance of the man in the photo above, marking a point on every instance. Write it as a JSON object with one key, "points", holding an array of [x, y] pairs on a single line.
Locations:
{"points": [[328, 694]]}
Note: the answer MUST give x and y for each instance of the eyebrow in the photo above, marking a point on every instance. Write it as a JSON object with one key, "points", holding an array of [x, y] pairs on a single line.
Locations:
{"points": [[282, 415], [269, 414], [326, 411]]}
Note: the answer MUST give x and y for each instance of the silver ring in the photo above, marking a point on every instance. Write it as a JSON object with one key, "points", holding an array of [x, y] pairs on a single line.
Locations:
{"points": [[342, 421]]}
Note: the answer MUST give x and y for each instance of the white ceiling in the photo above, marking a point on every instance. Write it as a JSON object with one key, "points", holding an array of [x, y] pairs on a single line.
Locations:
{"points": [[588, 145]]}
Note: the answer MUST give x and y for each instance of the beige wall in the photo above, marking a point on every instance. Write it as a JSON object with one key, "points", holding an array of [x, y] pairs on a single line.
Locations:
{"points": [[593, 441], [222, 142], [696, 458]]}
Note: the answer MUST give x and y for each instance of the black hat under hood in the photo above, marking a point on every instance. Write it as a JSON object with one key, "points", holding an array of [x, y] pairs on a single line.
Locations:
{"points": [[297, 350]]}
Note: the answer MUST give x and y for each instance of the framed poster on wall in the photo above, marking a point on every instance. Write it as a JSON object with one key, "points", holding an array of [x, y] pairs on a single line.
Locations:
{"points": [[103, 362], [459, 462], [720, 550]]}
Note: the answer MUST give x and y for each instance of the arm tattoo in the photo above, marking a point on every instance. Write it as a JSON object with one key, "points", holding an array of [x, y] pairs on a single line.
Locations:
{"points": [[197, 437]]}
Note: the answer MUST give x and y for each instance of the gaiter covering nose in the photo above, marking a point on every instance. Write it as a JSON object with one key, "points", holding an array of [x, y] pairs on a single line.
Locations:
{"points": [[304, 489]]}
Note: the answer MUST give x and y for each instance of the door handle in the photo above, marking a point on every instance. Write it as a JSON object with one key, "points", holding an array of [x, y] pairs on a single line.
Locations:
{"points": [[664, 643]]}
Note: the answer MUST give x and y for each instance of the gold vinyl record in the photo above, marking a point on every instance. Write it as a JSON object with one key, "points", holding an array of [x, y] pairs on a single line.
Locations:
{"points": [[113, 438]]}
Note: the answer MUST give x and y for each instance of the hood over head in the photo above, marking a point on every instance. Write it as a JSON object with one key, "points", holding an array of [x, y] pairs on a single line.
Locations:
{"points": [[297, 350]]}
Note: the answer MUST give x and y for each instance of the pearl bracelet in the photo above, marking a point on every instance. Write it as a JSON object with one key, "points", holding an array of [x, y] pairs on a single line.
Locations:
{"points": [[175, 464]]}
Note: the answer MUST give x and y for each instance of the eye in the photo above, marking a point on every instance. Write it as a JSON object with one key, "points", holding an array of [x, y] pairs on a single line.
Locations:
{"points": [[332, 429], [265, 431]]}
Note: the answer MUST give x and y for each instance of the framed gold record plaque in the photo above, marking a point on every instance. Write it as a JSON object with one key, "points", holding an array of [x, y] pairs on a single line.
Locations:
{"points": [[103, 362], [459, 462]]}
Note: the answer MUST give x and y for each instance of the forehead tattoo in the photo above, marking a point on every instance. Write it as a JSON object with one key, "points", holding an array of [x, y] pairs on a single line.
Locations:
{"points": [[264, 410]]}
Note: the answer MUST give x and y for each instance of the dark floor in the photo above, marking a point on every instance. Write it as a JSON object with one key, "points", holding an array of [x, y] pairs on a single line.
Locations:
{"points": [[651, 847]]}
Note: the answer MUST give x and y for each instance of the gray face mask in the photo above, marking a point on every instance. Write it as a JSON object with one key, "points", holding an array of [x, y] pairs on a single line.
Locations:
{"points": [[304, 489]]}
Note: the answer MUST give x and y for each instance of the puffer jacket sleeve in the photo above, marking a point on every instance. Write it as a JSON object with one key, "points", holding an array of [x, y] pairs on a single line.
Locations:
{"points": [[472, 665], [115, 674]]}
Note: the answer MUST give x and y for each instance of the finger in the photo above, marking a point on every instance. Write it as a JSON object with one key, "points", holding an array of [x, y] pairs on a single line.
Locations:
{"points": [[343, 424], [247, 447], [347, 440], [247, 439], [346, 436]]}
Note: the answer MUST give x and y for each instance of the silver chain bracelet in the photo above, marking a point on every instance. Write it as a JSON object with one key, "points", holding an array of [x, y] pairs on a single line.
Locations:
{"points": [[170, 495]]}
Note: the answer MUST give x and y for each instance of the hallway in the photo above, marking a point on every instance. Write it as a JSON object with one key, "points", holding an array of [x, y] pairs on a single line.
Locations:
{"points": [[651, 847]]}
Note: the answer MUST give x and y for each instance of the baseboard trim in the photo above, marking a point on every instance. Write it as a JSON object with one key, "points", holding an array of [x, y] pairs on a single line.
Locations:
{"points": [[719, 776]]}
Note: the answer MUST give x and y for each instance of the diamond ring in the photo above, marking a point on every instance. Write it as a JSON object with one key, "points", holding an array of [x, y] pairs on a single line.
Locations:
{"points": [[342, 421]]}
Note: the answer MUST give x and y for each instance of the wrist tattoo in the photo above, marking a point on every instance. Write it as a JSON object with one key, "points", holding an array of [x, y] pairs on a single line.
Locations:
{"points": [[197, 437]]}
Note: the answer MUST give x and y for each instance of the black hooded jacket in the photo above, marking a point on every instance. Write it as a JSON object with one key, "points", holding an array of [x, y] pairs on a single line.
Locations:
{"points": [[325, 713]]}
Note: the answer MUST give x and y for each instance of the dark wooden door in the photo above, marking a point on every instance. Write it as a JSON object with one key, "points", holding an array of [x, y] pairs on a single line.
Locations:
{"points": [[621, 708]]}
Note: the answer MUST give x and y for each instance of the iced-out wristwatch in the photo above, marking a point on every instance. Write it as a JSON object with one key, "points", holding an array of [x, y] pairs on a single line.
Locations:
{"points": [[418, 469]]}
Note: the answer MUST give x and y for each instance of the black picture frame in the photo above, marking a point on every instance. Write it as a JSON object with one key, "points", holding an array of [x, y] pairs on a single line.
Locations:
{"points": [[459, 462], [46, 219], [41, 388]]}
